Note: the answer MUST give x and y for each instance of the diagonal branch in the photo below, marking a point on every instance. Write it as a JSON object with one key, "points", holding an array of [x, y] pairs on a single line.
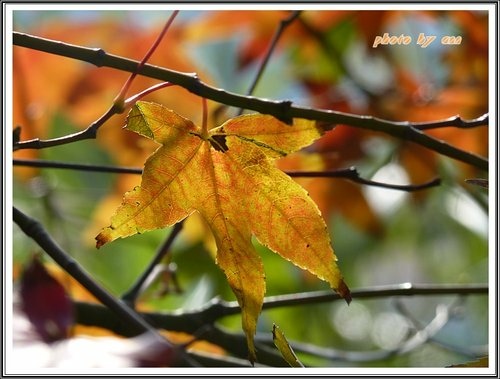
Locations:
{"points": [[35, 230], [131, 295], [469, 351], [274, 42], [283, 110]]}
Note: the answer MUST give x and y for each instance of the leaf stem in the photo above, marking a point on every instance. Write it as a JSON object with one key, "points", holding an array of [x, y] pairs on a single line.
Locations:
{"points": [[204, 126], [131, 100], [283, 110]]}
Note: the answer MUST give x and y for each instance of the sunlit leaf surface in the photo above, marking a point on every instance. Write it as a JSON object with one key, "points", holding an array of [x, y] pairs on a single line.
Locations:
{"points": [[227, 175]]}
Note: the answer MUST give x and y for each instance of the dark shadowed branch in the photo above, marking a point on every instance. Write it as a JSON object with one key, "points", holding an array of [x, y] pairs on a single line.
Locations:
{"points": [[206, 316], [190, 321], [36, 231]]}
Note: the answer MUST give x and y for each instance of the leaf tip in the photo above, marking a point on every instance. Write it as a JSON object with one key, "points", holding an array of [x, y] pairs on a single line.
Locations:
{"points": [[252, 357], [324, 126], [344, 292], [101, 239]]}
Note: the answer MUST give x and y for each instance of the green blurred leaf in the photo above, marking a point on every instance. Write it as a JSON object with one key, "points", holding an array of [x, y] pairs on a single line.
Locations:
{"points": [[284, 347]]}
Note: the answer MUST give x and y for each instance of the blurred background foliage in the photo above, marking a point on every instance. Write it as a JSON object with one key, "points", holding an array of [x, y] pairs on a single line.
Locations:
{"points": [[325, 59]]}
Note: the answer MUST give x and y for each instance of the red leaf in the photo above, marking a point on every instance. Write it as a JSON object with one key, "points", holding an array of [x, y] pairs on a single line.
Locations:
{"points": [[45, 303]]}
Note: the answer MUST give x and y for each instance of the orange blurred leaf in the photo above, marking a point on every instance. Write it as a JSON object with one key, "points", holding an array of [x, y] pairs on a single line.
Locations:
{"points": [[227, 175]]}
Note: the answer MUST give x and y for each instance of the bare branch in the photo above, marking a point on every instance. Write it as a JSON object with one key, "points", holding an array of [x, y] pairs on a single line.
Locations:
{"points": [[455, 121], [192, 320], [353, 175], [89, 133], [76, 166], [283, 110], [404, 289], [349, 173]]}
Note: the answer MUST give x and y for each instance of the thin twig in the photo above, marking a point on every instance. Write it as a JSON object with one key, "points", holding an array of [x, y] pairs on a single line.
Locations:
{"points": [[131, 295], [89, 133], [283, 110], [455, 122], [353, 175], [419, 338], [478, 182], [349, 173], [123, 92], [270, 50], [76, 166], [466, 351], [119, 104]]}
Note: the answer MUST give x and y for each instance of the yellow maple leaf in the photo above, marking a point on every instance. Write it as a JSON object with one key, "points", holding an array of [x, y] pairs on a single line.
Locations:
{"points": [[227, 174]]}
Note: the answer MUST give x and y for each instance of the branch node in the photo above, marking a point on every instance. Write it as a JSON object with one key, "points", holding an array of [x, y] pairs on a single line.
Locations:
{"points": [[283, 114], [100, 56], [16, 135]]}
